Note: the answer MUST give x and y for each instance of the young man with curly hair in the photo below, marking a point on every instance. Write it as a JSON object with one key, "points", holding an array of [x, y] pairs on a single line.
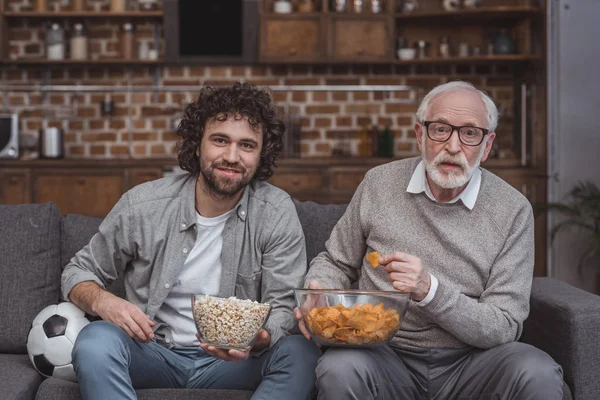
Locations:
{"points": [[218, 229]]}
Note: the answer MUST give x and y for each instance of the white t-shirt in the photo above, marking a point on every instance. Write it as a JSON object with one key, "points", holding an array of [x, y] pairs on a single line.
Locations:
{"points": [[201, 273]]}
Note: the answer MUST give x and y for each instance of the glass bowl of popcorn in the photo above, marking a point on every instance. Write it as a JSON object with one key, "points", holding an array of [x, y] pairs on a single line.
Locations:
{"points": [[351, 318], [228, 323]]}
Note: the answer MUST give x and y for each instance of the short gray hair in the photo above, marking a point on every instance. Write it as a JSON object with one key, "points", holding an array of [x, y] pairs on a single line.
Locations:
{"points": [[491, 109]]}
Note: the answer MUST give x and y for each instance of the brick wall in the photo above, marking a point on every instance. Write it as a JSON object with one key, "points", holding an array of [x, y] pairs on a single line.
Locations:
{"points": [[142, 124]]}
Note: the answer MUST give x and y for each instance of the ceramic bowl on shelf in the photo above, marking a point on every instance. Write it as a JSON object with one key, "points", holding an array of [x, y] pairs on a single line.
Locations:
{"points": [[407, 53]]}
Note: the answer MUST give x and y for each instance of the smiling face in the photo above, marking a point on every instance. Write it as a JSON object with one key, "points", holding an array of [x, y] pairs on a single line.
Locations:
{"points": [[229, 156], [451, 164]]}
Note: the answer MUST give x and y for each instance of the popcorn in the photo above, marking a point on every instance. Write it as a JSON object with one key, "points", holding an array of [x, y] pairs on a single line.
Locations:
{"points": [[229, 323]]}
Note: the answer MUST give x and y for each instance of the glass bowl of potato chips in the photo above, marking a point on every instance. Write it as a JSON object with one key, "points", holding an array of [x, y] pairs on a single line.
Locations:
{"points": [[351, 318]]}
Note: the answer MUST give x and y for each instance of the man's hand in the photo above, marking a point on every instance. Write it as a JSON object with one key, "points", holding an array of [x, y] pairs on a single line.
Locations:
{"points": [[305, 307], [126, 315], [262, 341], [407, 274]]}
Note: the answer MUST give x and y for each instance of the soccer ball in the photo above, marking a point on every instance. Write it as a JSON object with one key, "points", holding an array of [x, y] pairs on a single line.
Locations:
{"points": [[51, 338]]}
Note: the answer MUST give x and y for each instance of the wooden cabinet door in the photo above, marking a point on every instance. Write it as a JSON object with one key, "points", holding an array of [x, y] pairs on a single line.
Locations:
{"points": [[15, 186], [360, 40], [288, 40], [533, 187], [88, 193], [141, 175], [300, 184]]}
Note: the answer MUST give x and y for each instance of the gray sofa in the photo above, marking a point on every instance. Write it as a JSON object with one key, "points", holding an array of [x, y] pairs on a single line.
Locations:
{"points": [[35, 242]]}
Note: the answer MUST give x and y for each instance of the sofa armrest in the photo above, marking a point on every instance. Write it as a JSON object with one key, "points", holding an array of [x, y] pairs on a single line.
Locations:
{"points": [[565, 323]]}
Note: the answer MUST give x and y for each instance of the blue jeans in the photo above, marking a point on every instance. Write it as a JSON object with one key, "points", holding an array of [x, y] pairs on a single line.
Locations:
{"points": [[110, 365]]}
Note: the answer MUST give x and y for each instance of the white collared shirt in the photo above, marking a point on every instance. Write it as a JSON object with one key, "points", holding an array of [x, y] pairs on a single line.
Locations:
{"points": [[419, 184]]}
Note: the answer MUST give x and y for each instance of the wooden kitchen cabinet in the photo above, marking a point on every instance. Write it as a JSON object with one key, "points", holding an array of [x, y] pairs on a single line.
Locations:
{"points": [[15, 186], [298, 39], [86, 187], [137, 176], [92, 193], [360, 39]]}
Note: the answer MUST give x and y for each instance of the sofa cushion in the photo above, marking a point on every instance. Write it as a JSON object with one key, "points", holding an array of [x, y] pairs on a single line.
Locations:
{"points": [[317, 223], [77, 231], [64, 390], [29, 269], [18, 379]]}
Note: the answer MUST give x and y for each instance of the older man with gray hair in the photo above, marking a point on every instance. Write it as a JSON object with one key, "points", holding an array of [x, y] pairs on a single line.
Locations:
{"points": [[458, 238]]}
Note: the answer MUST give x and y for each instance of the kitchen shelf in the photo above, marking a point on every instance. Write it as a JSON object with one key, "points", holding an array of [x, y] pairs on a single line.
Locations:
{"points": [[477, 14], [512, 58], [108, 61], [82, 14]]}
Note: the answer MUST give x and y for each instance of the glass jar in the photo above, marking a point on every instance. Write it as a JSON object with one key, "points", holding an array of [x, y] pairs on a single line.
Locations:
{"points": [[79, 42], [78, 5], [340, 6], [127, 40], [147, 5], [306, 6], [41, 5], [376, 6], [55, 42], [117, 6], [358, 6]]}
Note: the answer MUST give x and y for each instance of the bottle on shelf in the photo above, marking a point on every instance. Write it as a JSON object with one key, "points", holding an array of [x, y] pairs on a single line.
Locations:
{"points": [[444, 50], [55, 42], [374, 141], [127, 40], [78, 42], [386, 143], [364, 146]]}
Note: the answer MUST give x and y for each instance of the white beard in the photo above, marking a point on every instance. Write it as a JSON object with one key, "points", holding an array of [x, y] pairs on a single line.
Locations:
{"points": [[453, 179]]}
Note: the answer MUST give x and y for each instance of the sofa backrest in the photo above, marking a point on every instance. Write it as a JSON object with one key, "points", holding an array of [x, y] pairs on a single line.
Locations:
{"points": [[77, 231], [30, 269]]}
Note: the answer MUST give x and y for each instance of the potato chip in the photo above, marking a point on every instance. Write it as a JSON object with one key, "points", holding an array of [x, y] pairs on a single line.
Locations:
{"points": [[373, 258], [361, 324]]}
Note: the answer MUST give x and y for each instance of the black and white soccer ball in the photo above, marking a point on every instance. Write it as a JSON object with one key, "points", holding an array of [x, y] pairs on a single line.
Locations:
{"points": [[51, 339]]}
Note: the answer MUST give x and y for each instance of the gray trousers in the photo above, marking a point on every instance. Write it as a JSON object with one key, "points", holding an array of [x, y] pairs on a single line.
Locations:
{"points": [[509, 371]]}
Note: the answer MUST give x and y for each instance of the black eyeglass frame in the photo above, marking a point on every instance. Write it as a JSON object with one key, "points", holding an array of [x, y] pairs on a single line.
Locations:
{"points": [[454, 128]]}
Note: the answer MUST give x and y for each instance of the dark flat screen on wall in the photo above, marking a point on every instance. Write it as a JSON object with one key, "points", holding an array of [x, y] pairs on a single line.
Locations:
{"points": [[210, 28]]}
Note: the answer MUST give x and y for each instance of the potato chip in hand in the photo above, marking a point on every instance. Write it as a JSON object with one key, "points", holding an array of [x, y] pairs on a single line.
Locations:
{"points": [[373, 258]]}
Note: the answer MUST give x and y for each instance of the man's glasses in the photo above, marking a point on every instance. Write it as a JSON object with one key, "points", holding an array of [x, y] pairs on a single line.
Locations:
{"points": [[441, 132]]}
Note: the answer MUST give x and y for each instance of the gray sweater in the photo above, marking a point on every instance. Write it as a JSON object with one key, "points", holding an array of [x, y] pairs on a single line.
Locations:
{"points": [[483, 258]]}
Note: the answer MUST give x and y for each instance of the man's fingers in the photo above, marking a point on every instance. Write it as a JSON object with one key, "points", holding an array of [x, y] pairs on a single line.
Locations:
{"points": [[304, 330], [144, 322], [395, 256], [399, 266], [137, 331], [314, 285]]}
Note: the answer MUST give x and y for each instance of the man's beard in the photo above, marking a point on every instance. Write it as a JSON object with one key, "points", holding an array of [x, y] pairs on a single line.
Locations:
{"points": [[224, 187], [452, 179]]}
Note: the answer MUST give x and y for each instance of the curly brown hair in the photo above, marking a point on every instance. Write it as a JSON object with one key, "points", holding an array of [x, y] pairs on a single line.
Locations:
{"points": [[240, 100]]}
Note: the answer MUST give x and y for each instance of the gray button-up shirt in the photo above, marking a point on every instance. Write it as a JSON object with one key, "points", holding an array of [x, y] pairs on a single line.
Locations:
{"points": [[149, 232]]}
